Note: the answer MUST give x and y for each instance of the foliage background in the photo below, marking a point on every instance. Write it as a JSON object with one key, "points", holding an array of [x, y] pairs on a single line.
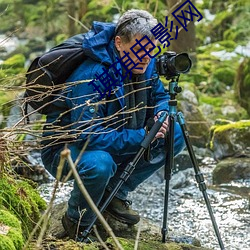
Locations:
{"points": [[218, 44]]}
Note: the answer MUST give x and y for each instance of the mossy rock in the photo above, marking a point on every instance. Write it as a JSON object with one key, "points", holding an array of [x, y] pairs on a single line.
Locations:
{"points": [[22, 200], [216, 73], [128, 244], [150, 235], [16, 61], [10, 231], [13, 70], [224, 75], [221, 107], [232, 139], [231, 169]]}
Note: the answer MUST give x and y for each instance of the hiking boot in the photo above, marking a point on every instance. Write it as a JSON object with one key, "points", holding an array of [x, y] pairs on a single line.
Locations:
{"points": [[121, 211], [75, 231]]}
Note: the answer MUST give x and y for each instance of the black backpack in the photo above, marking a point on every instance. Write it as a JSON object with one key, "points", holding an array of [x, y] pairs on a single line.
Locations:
{"points": [[48, 73]]}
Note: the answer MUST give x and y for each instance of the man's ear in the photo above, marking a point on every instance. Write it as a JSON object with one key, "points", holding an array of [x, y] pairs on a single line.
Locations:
{"points": [[118, 42]]}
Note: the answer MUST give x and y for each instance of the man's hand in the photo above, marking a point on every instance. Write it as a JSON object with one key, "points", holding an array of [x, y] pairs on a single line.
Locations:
{"points": [[164, 128]]}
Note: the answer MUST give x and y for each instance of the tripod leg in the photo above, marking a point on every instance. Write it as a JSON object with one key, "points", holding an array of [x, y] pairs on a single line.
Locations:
{"points": [[199, 177], [129, 168], [168, 173]]}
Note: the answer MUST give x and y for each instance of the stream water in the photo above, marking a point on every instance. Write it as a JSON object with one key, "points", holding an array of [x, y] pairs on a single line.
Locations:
{"points": [[187, 212]]}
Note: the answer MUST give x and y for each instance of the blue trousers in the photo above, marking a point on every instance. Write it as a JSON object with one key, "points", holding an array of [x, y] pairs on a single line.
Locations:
{"points": [[100, 170]]}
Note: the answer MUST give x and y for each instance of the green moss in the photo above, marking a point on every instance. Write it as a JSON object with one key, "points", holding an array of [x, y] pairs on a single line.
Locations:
{"points": [[224, 75], [234, 34], [16, 237], [6, 243], [13, 71], [212, 100], [22, 200], [60, 38], [16, 61], [9, 219], [236, 125], [229, 45], [14, 234]]}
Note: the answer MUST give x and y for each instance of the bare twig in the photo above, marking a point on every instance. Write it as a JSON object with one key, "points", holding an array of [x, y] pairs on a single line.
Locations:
{"points": [[137, 236], [99, 238], [77, 21], [66, 154]]}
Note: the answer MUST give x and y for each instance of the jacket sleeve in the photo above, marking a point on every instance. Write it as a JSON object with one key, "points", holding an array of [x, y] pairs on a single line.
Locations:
{"points": [[88, 121]]}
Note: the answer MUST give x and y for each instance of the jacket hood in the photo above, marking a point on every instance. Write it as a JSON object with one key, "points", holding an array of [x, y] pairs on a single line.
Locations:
{"points": [[98, 43]]}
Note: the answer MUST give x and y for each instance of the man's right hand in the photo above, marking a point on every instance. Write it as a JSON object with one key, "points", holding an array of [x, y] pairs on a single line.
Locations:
{"points": [[164, 128]]}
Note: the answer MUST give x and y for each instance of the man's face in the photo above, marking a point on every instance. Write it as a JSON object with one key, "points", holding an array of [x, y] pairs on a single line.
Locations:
{"points": [[122, 46]]}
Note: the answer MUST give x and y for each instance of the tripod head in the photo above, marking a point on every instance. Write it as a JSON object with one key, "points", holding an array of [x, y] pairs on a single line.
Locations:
{"points": [[171, 65], [174, 89]]}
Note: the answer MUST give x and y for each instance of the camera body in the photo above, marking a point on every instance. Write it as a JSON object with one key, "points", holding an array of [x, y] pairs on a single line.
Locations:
{"points": [[172, 65]]}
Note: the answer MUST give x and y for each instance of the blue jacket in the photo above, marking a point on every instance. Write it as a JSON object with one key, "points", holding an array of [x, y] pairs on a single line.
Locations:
{"points": [[102, 122]]}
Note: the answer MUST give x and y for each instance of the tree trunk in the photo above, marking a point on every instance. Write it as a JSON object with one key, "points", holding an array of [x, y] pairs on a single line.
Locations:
{"points": [[72, 13], [83, 7], [186, 40]]}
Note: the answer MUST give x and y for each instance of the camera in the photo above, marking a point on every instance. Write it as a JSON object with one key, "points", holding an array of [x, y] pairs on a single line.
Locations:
{"points": [[172, 65]]}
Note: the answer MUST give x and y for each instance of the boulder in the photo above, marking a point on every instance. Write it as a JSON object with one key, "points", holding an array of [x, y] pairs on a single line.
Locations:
{"points": [[232, 139], [231, 169], [197, 125], [150, 235]]}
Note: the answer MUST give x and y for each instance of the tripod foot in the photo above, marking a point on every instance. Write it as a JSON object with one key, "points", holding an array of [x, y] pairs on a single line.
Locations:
{"points": [[164, 232]]}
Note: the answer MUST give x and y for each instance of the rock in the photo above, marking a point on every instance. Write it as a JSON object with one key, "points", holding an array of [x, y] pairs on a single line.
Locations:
{"points": [[149, 238], [188, 95], [181, 179], [183, 161], [227, 110], [231, 169], [206, 109], [222, 122], [232, 139], [197, 125]]}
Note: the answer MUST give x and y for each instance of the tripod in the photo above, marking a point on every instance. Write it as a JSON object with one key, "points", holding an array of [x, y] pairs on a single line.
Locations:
{"points": [[129, 169], [173, 90], [169, 163]]}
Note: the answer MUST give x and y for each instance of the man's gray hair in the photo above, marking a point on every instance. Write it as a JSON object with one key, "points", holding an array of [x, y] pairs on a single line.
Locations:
{"points": [[135, 22]]}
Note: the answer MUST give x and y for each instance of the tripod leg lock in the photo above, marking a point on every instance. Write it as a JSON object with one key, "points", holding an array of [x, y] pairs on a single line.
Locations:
{"points": [[127, 172], [200, 180]]}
